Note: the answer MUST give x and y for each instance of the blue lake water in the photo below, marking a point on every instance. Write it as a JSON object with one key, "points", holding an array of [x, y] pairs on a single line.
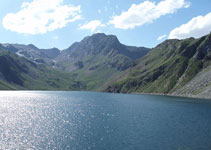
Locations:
{"points": [[102, 121]]}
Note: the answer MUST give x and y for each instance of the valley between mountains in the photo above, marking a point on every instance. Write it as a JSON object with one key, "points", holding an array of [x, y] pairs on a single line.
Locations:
{"points": [[101, 63]]}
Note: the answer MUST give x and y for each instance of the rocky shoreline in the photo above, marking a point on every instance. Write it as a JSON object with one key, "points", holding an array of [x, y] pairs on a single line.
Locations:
{"points": [[176, 95]]}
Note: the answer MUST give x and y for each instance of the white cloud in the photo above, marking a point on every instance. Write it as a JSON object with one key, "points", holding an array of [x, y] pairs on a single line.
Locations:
{"points": [[92, 25], [146, 12], [41, 16], [196, 27], [161, 37]]}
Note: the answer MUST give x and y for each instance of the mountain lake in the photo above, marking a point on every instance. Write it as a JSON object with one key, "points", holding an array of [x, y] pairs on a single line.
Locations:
{"points": [[102, 121]]}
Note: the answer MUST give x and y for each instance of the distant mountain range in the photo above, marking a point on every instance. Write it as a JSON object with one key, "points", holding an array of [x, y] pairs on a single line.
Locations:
{"points": [[91, 63], [101, 63], [32, 53], [18, 73]]}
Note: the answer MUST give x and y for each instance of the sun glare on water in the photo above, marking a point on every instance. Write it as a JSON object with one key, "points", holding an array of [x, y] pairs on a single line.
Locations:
{"points": [[19, 94]]}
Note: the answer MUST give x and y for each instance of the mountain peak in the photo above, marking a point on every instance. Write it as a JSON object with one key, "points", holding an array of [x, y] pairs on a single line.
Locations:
{"points": [[95, 44], [98, 35], [101, 37], [32, 46], [99, 50]]}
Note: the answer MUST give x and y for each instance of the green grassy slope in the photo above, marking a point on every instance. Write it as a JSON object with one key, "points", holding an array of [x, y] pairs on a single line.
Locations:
{"points": [[167, 67], [20, 74], [98, 59]]}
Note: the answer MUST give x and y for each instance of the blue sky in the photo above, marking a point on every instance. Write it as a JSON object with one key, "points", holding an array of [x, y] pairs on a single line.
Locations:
{"points": [[59, 23]]}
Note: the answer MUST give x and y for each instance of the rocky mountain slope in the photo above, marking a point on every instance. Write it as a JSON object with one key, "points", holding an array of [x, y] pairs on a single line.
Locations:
{"points": [[172, 65], [19, 73], [32, 53], [98, 59], [95, 61], [198, 87], [101, 63]]}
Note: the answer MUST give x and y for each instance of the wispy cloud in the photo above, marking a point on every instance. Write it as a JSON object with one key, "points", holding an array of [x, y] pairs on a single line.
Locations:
{"points": [[41, 16], [161, 37], [196, 27], [92, 25], [146, 12]]}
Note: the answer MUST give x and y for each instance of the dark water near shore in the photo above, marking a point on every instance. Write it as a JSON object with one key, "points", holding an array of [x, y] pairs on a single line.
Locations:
{"points": [[101, 121]]}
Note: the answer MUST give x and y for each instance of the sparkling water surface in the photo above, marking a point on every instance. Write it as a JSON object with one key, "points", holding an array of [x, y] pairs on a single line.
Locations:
{"points": [[102, 121]]}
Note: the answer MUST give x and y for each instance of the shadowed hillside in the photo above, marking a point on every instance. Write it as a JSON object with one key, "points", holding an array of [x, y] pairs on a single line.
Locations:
{"points": [[19, 73]]}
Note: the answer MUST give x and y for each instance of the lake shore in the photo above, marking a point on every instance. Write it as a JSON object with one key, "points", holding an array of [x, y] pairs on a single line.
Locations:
{"points": [[175, 95], [136, 93]]}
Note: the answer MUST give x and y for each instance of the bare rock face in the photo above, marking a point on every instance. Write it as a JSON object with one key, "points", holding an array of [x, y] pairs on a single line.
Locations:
{"points": [[199, 86], [100, 48], [32, 53]]}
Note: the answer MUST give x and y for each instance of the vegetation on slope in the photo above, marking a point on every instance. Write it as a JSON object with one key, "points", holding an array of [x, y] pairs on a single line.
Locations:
{"points": [[101, 62], [167, 67], [98, 59], [20, 73]]}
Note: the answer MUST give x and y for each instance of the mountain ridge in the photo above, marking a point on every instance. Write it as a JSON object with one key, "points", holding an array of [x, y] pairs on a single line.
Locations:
{"points": [[101, 63], [169, 66], [98, 58], [18, 73], [94, 58]]}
